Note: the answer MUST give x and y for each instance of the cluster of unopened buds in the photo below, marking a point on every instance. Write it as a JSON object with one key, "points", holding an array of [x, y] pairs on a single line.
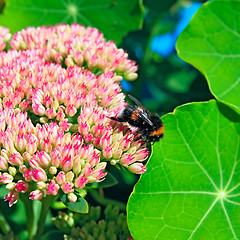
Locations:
{"points": [[59, 86]]}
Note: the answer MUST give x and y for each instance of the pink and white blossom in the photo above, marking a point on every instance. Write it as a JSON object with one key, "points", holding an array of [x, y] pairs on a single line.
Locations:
{"points": [[55, 128]]}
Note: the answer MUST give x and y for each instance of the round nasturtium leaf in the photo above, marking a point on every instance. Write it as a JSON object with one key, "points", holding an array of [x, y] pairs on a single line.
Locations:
{"points": [[115, 18], [191, 189], [211, 43]]}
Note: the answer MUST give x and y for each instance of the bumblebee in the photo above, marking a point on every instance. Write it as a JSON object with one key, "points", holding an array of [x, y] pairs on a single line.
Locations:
{"points": [[149, 125]]}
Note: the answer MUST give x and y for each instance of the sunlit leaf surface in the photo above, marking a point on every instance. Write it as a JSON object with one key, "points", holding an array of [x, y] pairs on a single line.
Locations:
{"points": [[211, 43], [191, 189], [114, 18]]}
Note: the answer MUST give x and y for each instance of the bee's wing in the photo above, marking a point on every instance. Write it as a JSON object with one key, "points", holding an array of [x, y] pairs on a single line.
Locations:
{"points": [[144, 115], [136, 101]]}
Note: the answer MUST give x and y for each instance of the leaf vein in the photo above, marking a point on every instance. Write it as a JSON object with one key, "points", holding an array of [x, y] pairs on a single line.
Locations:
{"points": [[228, 219], [203, 218], [195, 158]]}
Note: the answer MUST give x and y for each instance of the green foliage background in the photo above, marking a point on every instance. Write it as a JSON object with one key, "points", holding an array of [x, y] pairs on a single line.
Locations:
{"points": [[191, 189]]}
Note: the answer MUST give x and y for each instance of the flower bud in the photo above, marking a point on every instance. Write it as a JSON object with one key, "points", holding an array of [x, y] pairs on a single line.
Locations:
{"points": [[72, 197], [137, 168], [3, 164], [36, 195], [12, 171]]}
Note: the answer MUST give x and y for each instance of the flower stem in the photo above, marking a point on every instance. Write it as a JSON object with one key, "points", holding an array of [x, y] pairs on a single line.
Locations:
{"points": [[31, 220], [46, 202], [4, 224]]}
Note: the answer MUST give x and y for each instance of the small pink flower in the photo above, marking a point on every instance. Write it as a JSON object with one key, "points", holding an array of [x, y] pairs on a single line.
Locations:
{"points": [[3, 164], [24, 105], [31, 146], [50, 113], [8, 103], [106, 140], [141, 154], [33, 163], [77, 162], [43, 159], [52, 188], [87, 170], [12, 197], [21, 186], [98, 130], [94, 158], [84, 128], [38, 174], [98, 175], [47, 101], [67, 163], [65, 125], [38, 109], [70, 110], [81, 181], [56, 157], [67, 187], [8, 143], [137, 168], [88, 138], [61, 178], [60, 115], [28, 175], [59, 138], [106, 100], [46, 145], [20, 142], [36, 195], [127, 159], [6, 178], [108, 152], [125, 142], [85, 151]]}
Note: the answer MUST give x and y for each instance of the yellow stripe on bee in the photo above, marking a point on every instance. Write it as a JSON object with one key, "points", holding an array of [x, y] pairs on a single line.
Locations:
{"points": [[158, 132], [135, 115]]}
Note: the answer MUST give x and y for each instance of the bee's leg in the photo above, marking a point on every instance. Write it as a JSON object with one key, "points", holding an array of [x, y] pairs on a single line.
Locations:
{"points": [[118, 119], [138, 135]]}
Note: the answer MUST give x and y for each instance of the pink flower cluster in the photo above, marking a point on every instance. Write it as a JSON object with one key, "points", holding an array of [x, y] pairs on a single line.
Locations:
{"points": [[76, 45], [55, 130]]}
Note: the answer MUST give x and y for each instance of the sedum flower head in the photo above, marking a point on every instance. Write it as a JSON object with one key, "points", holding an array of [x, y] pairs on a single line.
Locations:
{"points": [[55, 130], [76, 45]]}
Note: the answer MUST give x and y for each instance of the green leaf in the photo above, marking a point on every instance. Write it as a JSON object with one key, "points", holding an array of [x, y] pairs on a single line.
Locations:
{"points": [[211, 43], [80, 206], [114, 18], [191, 189]]}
